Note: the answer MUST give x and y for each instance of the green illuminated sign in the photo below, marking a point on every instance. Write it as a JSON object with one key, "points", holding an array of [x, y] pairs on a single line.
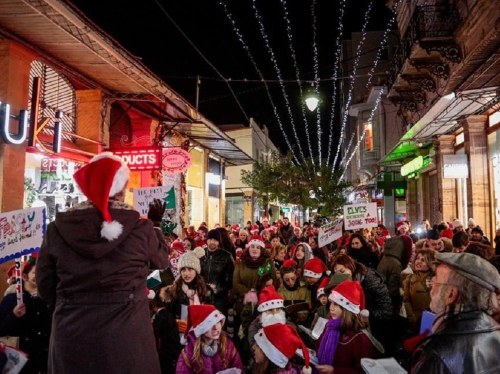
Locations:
{"points": [[412, 166]]}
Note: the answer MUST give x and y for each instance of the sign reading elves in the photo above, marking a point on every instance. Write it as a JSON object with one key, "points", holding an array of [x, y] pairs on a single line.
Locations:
{"points": [[358, 216]]}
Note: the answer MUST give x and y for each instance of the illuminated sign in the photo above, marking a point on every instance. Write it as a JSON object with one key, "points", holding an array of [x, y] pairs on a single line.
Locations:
{"points": [[22, 121], [410, 167], [141, 158], [176, 160]]}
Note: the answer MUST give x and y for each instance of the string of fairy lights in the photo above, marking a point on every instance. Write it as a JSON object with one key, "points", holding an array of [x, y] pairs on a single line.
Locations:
{"points": [[348, 153], [278, 74], [297, 74], [338, 49], [352, 81], [252, 60]]}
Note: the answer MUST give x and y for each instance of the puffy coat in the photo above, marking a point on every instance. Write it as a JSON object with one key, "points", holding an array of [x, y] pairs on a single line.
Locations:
{"points": [[217, 268]]}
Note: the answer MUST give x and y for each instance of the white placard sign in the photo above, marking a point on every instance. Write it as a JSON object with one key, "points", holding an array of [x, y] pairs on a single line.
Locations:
{"points": [[21, 232], [330, 232], [143, 196], [359, 216], [455, 166]]}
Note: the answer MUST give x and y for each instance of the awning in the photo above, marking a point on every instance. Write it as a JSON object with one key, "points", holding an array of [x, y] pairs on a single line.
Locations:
{"points": [[442, 118], [209, 136]]}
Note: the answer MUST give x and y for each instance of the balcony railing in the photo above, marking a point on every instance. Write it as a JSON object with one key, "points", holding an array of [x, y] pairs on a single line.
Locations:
{"points": [[428, 22]]}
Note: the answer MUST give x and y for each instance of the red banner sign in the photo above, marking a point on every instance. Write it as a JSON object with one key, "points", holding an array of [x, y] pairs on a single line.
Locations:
{"points": [[141, 158], [176, 160]]}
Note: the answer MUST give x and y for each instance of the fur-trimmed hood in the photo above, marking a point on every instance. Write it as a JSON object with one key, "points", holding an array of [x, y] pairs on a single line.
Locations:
{"points": [[80, 227]]}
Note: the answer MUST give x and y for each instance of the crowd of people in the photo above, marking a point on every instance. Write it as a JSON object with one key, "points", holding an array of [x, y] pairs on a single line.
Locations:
{"points": [[260, 298]]}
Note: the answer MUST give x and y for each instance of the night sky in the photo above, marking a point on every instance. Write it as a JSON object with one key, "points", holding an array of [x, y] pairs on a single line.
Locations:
{"points": [[146, 29]]}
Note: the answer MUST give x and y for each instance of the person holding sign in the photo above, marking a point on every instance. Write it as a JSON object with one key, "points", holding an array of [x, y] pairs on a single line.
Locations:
{"points": [[29, 320], [92, 268]]}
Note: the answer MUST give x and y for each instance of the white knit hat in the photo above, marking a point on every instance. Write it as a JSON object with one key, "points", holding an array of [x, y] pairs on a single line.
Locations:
{"points": [[189, 260]]}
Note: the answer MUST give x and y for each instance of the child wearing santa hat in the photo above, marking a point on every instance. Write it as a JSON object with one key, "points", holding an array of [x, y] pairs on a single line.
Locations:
{"points": [[344, 342], [274, 346], [315, 271], [209, 350]]}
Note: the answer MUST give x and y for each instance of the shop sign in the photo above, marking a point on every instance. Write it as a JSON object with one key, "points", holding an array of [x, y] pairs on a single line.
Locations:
{"points": [[148, 158], [455, 166], [22, 121], [176, 160], [358, 216], [411, 167]]}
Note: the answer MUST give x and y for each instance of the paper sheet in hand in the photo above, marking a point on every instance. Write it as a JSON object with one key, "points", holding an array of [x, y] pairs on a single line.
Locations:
{"points": [[427, 321], [382, 366], [317, 330], [313, 359]]}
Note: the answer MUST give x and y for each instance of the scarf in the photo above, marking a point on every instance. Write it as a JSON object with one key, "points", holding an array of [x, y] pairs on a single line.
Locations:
{"points": [[251, 262], [191, 294], [210, 350], [329, 342]]}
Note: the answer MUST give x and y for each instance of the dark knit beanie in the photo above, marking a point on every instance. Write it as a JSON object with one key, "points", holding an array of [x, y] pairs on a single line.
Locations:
{"points": [[214, 234]]}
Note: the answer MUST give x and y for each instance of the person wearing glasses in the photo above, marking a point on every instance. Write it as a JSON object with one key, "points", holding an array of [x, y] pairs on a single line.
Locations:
{"points": [[464, 338]]}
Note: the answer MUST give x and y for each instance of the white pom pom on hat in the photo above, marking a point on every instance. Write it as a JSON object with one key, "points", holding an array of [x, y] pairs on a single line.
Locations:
{"points": [[104, 176]]}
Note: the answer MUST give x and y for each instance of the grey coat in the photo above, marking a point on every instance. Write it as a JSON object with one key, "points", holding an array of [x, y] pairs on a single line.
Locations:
{"points": [[101, 320]]}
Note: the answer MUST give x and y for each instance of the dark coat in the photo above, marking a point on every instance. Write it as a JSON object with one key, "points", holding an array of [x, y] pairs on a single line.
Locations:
{"points": [[467, 342], [101, 320], [217, 268], [33, 329]]}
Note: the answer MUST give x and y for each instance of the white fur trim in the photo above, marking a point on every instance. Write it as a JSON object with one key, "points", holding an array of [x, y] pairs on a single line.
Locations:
{"points": [[306, 370], [111, 230], [122, 174], [270, 304], [208, 322], [339, 299], [151, 294], [272, 353], [364, 313], [256, 242], [309, 273], [320, 292]]}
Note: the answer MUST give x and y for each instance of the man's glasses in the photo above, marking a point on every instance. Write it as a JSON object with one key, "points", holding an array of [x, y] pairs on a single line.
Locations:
{"points": [[430, 283]]}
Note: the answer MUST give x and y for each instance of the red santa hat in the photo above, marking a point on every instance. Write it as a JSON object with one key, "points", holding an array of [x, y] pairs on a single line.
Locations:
{"points": [[314, 268], [289, 264], [202, 318], [235, 228], [256, 240], [280, 343], [401, 224], [269, 299], [350, 296], [105, 176], [321, 288], [254, 229], [178, 246]]}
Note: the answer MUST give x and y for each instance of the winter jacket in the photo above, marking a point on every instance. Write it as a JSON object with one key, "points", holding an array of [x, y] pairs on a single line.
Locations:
{"points": [[352, 347], [364, 255], [33, 329], [167, 338], [101, 321], [217, 268], [416, 296], [211, 365], [245, 278], [467, 342], [378, 301], [390, 267]]}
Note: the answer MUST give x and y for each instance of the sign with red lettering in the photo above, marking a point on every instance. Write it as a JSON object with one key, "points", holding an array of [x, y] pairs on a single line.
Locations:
{"points": [[176, 160], [141, 158]]}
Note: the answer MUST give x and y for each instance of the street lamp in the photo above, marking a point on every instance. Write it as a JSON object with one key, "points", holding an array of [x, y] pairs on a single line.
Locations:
{"points": [[311, 98]]}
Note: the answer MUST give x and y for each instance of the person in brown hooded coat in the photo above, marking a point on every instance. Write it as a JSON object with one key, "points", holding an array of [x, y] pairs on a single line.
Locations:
{"points": [[94, 274]]}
